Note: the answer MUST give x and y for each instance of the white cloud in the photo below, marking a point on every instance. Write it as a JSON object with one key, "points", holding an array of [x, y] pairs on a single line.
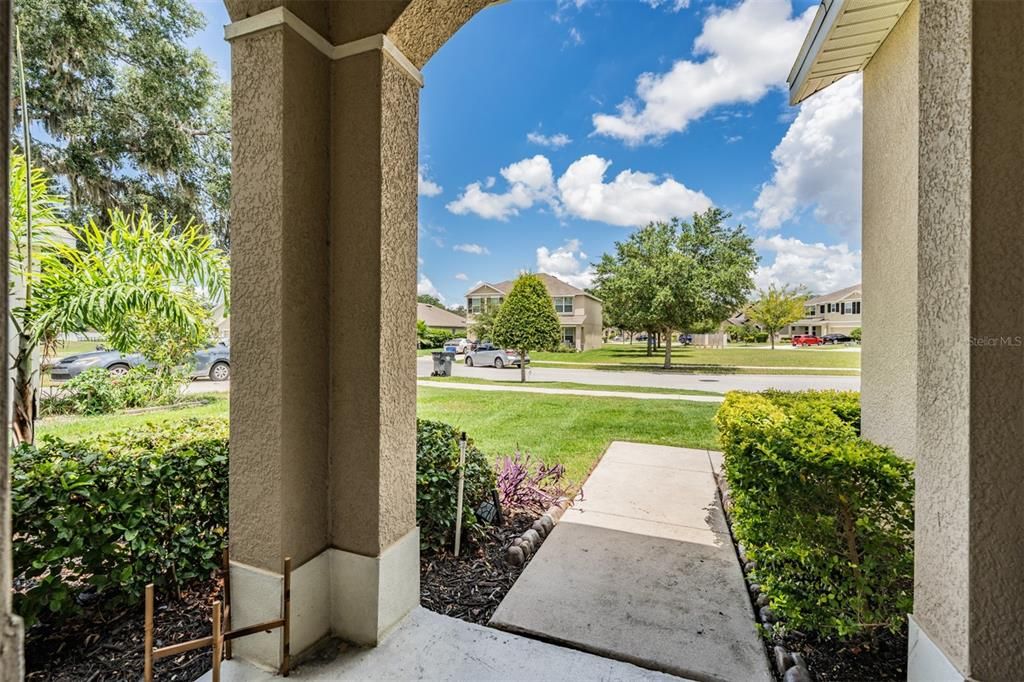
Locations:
{"points": [[818, 162], [530, 180], [568, 263], [748, 50], [425, 286], [424, 185], [461, 276], [474, 249], [555, 141], [631, 198], [575, 37], [819, 267], [730, 139], [670, 5]]}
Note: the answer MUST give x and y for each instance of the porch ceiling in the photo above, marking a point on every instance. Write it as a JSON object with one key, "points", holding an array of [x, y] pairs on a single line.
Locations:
{"points": [[842, 39]]}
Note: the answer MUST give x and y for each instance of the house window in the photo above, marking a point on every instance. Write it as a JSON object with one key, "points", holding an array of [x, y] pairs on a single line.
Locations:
{"points": [[476, 304], [569, 336], [563, 304], [856, 307], [821, 309]]}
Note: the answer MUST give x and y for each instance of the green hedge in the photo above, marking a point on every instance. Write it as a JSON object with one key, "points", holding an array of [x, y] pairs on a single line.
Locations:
{"points": [[826, 516], [115, 512], [109, 514], [96, 391], [437, 460]]}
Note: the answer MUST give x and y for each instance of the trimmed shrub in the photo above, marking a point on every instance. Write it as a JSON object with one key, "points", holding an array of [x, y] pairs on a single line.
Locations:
{"points": [[96, 391], [437, 480], [107, 515], [826, 515]]}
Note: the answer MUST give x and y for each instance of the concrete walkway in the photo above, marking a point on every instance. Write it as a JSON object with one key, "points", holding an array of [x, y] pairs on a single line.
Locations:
{"points": [[519, 388], [643, 570], [429, 646]]}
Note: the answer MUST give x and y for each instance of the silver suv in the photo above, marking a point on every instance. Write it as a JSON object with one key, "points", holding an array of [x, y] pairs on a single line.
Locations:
{"points": [[489, 355]]}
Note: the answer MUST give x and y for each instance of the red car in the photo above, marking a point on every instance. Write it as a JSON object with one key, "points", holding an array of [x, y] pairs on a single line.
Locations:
{"points": [[807, 340]]}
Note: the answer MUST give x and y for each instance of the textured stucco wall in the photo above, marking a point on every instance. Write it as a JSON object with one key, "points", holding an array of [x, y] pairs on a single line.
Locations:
{"points": [[997, 359], [889, 225], [279, 209], [373, 310], [941, 566], [594, 327]]}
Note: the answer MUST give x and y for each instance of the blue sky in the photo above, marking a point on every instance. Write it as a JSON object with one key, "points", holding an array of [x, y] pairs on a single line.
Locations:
{"points": [[549, 130]]}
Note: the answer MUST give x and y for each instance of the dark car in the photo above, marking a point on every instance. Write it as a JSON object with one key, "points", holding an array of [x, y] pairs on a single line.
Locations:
{"points": [[836, 338], [686, 339], [212, 361]]}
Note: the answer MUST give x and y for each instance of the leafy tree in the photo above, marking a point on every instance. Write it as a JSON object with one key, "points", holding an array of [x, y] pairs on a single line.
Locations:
{"points": [[119, 279], [431, 300], [678, 275], [27, 188], [776, 308], [132, 116], [482, 328], [459, 310], [856, 334], [527, 320]]}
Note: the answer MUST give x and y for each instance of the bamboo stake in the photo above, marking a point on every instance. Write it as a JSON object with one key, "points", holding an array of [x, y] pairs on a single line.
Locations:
{"points": [[227, 602], [218, 642], [462, 484], [286, 629], [148, 640]]}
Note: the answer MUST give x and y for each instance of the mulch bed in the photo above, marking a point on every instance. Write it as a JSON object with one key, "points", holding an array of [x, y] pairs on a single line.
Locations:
{"points": [[471, 586], [109, 646], [831, 660]]}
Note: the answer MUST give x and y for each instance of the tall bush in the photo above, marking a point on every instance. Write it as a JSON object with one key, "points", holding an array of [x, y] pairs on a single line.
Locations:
{"points": [[109, 514], [826, 515], [437, 476]]}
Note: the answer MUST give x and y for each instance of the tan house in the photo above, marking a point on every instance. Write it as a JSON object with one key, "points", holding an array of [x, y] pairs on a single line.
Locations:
{"points": [[439, 318], [834, 313], [580, 313]]}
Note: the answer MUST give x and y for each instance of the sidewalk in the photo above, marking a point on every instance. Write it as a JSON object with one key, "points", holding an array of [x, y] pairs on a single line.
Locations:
{"points": [[573, 391], [643, 570]]}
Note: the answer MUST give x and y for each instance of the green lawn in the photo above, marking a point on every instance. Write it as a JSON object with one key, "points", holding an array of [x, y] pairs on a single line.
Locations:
{"points": [[684, 356], [570, 385], [69, 427], [72, 347], [568, 429]]}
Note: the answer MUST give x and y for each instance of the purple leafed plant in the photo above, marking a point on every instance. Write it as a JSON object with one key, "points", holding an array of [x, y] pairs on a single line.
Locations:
{"points": [[529, 485]]}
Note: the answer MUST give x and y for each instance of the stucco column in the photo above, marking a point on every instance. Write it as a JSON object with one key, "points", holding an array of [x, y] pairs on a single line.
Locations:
{"points": [[374, 132], [968, 610], [279, 333], [11, 664]]}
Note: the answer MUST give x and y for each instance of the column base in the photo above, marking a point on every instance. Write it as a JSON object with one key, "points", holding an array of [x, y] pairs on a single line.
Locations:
{"points": [[354, 597], [926, 662]]}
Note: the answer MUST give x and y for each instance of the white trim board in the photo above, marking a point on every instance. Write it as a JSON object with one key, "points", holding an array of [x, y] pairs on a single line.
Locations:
{"points": [[279, 16]]}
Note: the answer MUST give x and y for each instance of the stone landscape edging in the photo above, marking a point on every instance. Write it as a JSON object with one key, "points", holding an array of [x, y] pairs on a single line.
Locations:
{"points": [[527, 544]]}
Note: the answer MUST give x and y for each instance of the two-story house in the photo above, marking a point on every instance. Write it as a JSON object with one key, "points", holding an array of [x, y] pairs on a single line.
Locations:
{"points": [[580, 313], [834, 313]]}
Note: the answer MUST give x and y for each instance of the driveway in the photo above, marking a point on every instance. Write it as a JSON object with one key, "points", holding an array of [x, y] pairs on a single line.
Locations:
{"points": [[700, 382]]}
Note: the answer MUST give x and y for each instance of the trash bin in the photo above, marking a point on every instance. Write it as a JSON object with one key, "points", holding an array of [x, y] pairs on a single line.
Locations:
{"points": [[442, 364]]}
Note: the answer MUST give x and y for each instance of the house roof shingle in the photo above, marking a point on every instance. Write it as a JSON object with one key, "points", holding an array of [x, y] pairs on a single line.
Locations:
{"points": [[438, 317], [835, 295], [555, 286]]}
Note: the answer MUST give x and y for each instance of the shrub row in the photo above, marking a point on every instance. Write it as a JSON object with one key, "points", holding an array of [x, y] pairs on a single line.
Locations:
{"points": [[98, 519], [96, 391], [826, 516], [103, 517]]}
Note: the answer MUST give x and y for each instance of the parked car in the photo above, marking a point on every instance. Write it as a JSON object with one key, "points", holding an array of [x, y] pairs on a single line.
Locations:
{"points": [[686, 339], [807, 340], [489, 355], [212, 361], [836, 338], [457, 346]]}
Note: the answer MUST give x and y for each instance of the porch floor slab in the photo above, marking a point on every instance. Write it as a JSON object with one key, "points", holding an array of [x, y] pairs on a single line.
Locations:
{"points": [[429, 646], [643, 570]]}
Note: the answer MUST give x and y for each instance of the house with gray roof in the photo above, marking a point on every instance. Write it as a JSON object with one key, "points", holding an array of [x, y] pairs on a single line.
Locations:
{"points": [[838, 312]]}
